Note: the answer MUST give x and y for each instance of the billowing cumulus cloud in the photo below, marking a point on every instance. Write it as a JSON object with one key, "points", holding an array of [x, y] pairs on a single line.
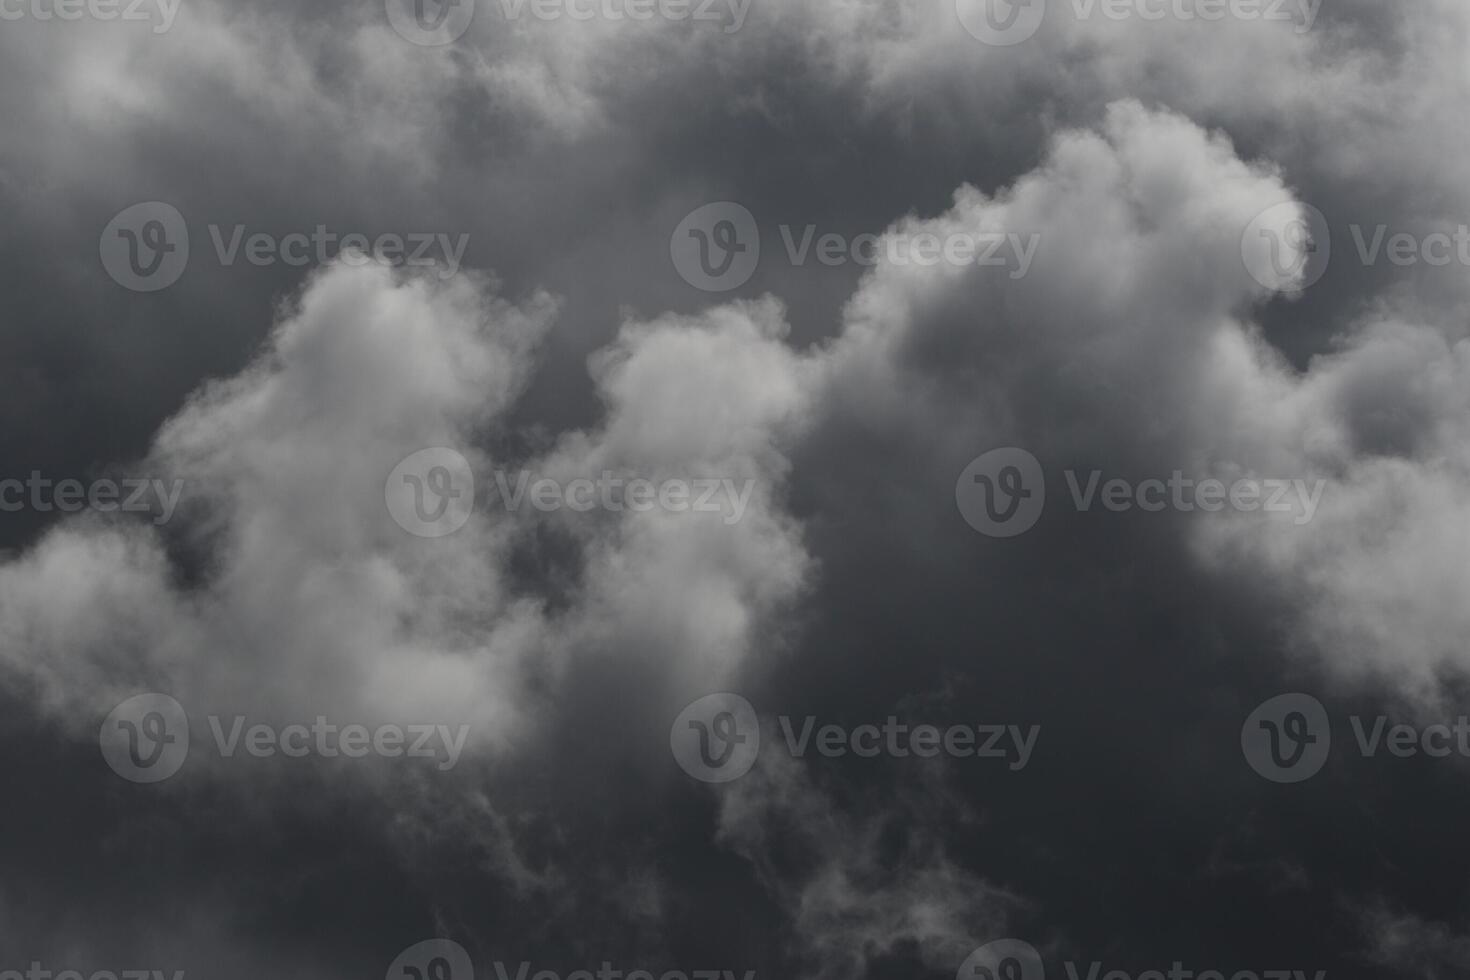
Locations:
{"points": [[287, 589], [1083, 247]]}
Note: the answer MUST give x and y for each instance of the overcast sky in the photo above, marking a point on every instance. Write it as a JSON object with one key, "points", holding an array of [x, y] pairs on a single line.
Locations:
{"points": [[806, 489]]}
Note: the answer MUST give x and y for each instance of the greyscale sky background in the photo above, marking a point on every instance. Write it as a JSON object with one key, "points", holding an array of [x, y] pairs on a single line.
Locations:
{"points": [[735, 489]]}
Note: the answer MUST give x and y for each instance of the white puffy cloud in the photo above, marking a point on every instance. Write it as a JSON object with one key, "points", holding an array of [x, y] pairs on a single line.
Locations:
{"points": [[1376, 578], [308, 599], [1130, 341]]}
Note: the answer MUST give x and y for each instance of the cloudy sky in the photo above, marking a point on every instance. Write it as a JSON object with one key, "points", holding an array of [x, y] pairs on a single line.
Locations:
{"points": [[804, 489]]}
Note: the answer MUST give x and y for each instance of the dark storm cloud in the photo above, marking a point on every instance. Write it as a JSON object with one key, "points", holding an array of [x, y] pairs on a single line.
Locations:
{"points": [[568, 152]]}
